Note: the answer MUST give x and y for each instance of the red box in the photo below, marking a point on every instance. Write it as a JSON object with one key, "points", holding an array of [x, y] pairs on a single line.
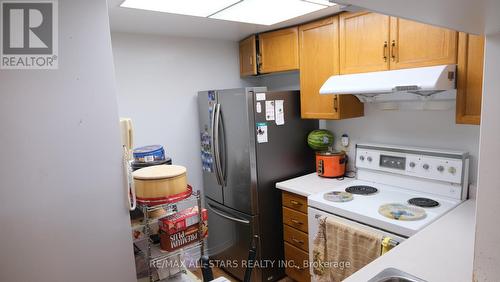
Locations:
{"points": [[180, 239], [182, 220]]}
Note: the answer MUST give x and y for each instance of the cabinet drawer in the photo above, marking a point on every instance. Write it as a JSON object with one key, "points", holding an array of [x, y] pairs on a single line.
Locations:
{"points": [[298, 270], [295, 202], [296, 237], [295, 219]]}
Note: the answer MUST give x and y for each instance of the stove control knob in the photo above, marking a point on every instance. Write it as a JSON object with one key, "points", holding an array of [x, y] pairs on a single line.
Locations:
{"points": [[452, 170], [361, 158], [425, 166], [369, 159], [412, 164], [440, 168]]}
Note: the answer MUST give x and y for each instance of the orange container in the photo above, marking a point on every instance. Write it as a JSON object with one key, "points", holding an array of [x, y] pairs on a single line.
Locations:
{"points": [[330, 164]]}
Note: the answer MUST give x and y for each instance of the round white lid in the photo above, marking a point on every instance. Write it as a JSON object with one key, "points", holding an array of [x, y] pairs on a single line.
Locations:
{"points": [[159, 172]]}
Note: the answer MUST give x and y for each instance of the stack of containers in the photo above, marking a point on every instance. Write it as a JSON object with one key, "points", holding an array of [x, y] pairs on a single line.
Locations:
{"points": [[149, 156]]}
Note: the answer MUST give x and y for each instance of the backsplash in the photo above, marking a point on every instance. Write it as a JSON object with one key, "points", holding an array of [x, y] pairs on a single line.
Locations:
{"points": [[434, 129], [423, 128]]}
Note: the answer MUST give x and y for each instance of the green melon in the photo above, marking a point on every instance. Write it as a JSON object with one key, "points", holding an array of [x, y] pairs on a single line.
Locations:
{"points": [[320, 139]]}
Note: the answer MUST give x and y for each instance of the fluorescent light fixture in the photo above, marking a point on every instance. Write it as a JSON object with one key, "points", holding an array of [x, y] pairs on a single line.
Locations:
{"points": [[262, 12], [321, 2], [199, 8], [267, 12]]}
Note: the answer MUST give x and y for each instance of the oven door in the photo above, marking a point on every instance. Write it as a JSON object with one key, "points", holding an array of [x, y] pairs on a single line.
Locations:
{"points": [[313, 225]]}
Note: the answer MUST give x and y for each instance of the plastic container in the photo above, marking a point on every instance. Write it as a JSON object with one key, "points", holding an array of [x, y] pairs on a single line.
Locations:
{"points": [[138, 165], [149, 154]]}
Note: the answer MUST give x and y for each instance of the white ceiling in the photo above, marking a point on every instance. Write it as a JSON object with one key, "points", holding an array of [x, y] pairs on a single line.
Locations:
{"points": [[149, 22]]}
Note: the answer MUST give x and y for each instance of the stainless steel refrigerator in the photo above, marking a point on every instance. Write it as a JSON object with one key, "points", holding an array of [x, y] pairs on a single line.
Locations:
{"points": [[250, 139]]}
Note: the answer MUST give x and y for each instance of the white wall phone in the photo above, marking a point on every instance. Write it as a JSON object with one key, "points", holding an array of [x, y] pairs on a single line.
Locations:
{"points": [[127, 136]]}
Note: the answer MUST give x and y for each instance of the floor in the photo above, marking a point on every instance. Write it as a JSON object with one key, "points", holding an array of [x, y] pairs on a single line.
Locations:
{"points": [[219, 272]]}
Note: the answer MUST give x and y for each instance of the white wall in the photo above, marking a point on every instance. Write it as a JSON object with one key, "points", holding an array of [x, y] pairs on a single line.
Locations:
{"points": [[487, 247], [63, 213], [434, 129], [158, 79]]}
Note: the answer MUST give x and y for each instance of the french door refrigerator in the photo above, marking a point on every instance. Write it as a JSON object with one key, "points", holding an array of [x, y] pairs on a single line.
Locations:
{"points": [[250, 139]]}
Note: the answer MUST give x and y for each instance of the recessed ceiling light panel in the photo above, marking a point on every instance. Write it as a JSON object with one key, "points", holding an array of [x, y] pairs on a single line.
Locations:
{"points": [[199, 8], [267, 12], [262, 12], [321, 2]]}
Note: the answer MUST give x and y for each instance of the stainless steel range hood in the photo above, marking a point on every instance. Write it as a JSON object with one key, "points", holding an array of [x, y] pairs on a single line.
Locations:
{"points": [[417, 84]]}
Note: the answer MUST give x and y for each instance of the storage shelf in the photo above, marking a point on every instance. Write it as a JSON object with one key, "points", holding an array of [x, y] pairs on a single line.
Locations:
{"points": [[151, 252], [157, 254], [169, 206]]}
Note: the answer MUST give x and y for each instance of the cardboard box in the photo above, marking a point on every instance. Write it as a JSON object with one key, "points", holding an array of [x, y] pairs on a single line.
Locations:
{"points": [[182, 220]]}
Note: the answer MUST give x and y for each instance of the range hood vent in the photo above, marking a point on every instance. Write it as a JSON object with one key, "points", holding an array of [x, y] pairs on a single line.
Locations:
{"points": [[417, 84]]}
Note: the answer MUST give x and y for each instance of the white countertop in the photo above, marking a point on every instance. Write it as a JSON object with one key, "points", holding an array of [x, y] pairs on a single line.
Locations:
{"points": [[310, 184], [443, 251]]}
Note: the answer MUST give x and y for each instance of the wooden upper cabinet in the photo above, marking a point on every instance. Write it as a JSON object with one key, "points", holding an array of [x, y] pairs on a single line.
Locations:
{"points": [[364, 42], [319, 57], [248, 56], [415, 45], [279, 50], [470, 78]]}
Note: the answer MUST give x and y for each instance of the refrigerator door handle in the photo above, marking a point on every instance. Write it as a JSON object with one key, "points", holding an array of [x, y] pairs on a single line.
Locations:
{"points": [[218, 165], [223, 152], [214, 140], [224, 215]]}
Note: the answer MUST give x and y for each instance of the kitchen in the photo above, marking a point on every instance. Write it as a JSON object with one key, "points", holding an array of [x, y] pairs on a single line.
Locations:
{"points": [[158, 77]]}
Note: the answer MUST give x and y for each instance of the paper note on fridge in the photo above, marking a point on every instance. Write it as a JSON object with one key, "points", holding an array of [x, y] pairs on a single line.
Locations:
{"points": [[280, 112], [269, 110], [260, 96], [258, 107], [261, 132]]}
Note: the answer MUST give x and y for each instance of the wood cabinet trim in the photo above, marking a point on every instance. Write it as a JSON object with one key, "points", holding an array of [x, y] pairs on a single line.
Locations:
{"points": [[251, 41], [462, 117], [300, 259], [318, 112], [450, 46], [344, 66], [294, 201], [295, 219], [292, 59]]}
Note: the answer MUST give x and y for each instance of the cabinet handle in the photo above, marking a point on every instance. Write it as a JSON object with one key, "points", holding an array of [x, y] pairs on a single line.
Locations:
{"points": [[336, 103], [393, 53], [259, 62], [295, 221], [295, 203], [251, 60], [384, 54], [297, 241]]}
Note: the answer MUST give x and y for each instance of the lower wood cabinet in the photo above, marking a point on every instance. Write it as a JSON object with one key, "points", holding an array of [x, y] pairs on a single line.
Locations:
{"points": [[470, 78], [295, 236], [297, 263]]}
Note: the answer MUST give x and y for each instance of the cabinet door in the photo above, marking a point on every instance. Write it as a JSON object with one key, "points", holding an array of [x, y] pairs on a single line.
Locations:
{"points": [[319, 59], [470, 78], [279, 50], [364, 39], [419, 45], [248, 60], [319, 56]]}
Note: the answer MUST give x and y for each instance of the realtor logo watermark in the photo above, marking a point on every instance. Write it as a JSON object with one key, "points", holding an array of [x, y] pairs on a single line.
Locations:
{"points": [[29, 34]]}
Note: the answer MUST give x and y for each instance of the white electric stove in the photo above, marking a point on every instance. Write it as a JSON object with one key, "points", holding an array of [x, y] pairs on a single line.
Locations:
{"points": [[436, 180]]}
